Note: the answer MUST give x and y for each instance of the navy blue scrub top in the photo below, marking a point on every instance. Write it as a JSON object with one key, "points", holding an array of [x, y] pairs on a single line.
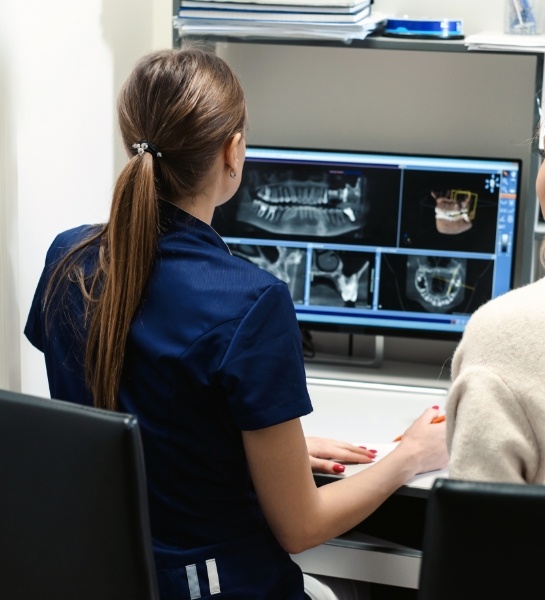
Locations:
{"points": [[214, 349]]}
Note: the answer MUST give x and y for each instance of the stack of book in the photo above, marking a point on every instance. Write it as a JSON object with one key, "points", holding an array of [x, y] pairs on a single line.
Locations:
{"points": [[333, 19]]}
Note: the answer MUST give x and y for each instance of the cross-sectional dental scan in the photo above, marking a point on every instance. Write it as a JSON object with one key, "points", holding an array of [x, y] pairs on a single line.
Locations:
{"points": [[436, 283], [340, 278], [374, 242]]}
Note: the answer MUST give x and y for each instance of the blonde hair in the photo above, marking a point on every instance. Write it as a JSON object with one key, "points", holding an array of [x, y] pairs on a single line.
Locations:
{"points": [[187, 102]]}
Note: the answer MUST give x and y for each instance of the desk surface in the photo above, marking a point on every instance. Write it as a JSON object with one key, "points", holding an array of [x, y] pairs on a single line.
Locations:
{"points": [[372, 414]]}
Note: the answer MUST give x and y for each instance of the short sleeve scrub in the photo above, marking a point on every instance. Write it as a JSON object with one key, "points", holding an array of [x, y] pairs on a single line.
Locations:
{"points": [[214, 349]]}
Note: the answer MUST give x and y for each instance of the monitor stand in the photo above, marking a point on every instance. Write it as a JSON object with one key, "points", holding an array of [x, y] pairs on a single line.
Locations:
{"points": [[375, 359], [378, 356]]}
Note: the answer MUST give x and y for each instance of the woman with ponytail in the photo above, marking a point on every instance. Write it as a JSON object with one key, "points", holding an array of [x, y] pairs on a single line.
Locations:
{"points": [[150, 314]]}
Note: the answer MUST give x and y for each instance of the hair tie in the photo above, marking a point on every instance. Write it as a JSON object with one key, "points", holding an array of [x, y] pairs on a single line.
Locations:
{"points": [[145, 146]]}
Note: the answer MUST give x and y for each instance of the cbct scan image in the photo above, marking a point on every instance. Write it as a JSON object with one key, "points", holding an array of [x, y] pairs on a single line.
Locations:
{"points": [[341, 278], [434, 284], [438, 284], [301, 201], [446, 210], [312, 203]]}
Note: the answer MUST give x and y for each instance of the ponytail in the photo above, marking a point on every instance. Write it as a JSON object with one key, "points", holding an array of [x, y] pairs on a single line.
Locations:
{"points": [[128, 251]]}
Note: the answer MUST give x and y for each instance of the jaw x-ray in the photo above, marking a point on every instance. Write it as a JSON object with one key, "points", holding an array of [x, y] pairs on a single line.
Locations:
{"points": [[340, 278], [434, 284], [437, 284], [301, 201]]}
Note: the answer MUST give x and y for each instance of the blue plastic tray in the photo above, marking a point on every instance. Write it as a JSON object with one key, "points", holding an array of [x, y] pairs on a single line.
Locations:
{"points": [[446, 29]]}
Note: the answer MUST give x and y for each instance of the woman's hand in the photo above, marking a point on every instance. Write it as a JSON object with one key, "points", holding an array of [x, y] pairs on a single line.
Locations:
{"points": [[324, 455], [425, 441]]}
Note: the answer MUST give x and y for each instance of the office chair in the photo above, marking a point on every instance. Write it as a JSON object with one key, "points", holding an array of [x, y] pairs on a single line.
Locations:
{"points": [[483, 540], [74, 521]]}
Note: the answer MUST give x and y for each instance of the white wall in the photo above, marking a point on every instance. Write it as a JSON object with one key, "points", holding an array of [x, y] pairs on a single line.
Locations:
{"points": [[9, 370], [61, 67]]}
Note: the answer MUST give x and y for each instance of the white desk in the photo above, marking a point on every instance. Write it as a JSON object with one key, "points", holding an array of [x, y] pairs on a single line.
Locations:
{"points": [[372, 413], [359, 411]]}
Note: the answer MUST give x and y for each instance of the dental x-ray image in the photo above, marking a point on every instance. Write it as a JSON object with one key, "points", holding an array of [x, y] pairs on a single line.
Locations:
{"points": [[438, 284], [449, 211], [301, 201], [288, 201], [434, 284], [341, 278], [288, 264]]}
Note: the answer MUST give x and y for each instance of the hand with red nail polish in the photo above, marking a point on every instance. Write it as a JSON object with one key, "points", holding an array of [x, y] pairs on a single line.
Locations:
{"points": [[427, 434], [325, 455], [437, 419]]}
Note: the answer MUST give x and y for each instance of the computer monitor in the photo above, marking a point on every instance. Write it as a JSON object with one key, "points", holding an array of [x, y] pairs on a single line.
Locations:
{"points": [[390, 244]]}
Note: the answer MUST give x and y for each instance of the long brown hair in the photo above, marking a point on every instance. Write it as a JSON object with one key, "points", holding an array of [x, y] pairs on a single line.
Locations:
{"points": [[187, 102]]}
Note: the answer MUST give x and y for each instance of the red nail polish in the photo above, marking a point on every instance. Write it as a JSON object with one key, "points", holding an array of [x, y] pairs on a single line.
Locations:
{"points": [[338, 468], [436, 407], [363, 447], [372, 451]]}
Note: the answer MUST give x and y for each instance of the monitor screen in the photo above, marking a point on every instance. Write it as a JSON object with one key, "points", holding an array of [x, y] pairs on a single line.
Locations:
{"points": [[378, 243]]}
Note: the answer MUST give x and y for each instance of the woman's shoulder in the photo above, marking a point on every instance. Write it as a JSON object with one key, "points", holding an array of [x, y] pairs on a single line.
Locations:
{"points": [[259, 285], [516, 302], [68, 239], [507, 322], [75, 235]]}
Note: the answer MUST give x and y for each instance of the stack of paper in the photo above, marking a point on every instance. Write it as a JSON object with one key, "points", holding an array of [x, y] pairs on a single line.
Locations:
{"points": [[507, 42], [334, 19]]}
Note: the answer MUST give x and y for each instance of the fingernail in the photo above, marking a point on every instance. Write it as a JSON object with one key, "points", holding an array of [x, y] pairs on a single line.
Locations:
{"points": [[363, 447], [436, 407], [338, 468], [372, 450]]}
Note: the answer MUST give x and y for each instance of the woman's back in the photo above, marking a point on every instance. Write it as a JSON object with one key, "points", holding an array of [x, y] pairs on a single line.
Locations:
{"points": [[496, 407], [214, 348], [205, 359]]}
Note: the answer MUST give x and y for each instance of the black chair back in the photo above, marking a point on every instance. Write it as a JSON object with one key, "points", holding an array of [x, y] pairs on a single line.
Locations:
{"points": [[74, 521], [483, 540]]}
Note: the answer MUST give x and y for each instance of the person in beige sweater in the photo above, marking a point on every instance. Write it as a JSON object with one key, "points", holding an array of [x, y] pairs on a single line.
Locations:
{"points": [[495, 411]]}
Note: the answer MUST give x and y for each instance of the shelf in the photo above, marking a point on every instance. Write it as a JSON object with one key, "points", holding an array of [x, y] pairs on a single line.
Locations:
{"points": [[373, 42]]}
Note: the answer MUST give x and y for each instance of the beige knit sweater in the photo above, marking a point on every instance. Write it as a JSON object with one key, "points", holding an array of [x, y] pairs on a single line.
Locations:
{"points": [[496, 405]]}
